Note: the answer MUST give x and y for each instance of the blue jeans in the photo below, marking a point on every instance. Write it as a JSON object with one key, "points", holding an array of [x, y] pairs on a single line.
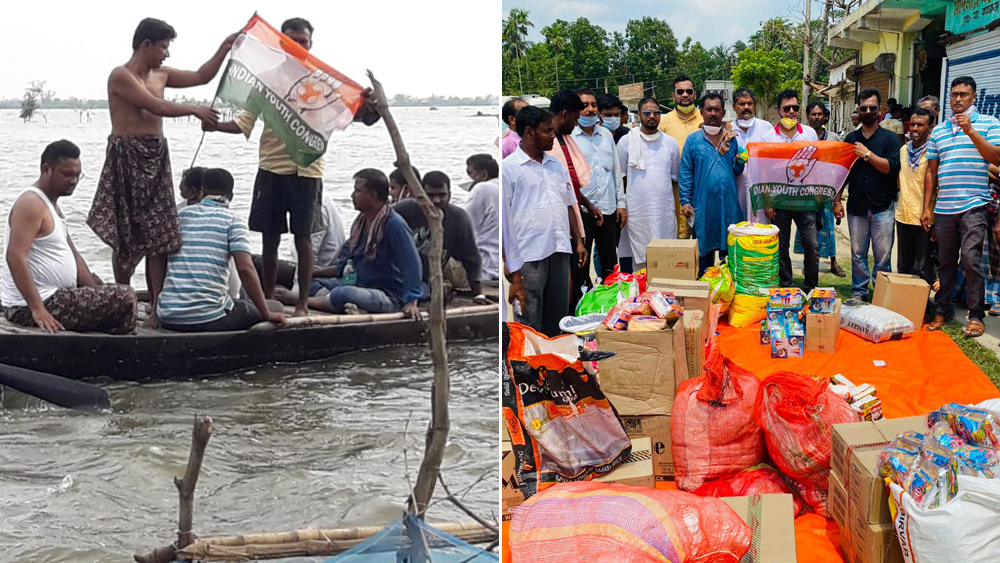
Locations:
{"points": [[878, 231], [368, 298]]}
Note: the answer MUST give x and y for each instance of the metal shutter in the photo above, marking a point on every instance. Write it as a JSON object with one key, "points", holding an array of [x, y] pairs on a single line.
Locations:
{"points": [[978, 57], [871, 78]]}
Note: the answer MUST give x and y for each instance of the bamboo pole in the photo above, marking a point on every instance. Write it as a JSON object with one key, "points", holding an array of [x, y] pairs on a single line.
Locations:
{"points": [[437, 430], [311, 543]]}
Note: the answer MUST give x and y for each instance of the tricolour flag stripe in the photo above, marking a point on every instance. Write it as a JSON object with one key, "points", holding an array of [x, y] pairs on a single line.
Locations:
{"points": [[799, 176]]}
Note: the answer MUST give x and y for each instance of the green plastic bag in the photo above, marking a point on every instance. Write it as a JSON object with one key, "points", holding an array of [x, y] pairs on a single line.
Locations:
{"points": [[720, 284], [602, 298]]}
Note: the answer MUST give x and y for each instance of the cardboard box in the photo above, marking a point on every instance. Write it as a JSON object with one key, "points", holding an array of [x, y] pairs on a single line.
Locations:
{"points": [[643, 377], [823, 330], [854, 457], [637, 469], [872, 543], [837, 503], [774, 518], [510, 491], [690, 294], [904, 294], [787, 339], [657, 429], [695, 341], [672, 258]]}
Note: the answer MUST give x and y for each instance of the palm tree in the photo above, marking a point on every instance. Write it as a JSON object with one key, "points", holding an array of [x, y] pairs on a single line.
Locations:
{"points": [[558, 45], [514, 34]]}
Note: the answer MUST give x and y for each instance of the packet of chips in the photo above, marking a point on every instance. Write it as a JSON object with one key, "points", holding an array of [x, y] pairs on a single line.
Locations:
{"points": [[978, 427], [895, 464], [984, 461]]}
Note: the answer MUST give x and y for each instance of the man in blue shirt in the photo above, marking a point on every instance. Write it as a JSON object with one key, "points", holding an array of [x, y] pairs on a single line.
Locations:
{"points": [[382, 253], [710, 164], [605, 189], [959, 153]]}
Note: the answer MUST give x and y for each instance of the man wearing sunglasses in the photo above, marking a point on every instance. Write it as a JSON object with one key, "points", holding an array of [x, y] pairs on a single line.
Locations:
{"points": [[790, 130], [679, 124], [651, 161], [873, 183], [959, 153]]}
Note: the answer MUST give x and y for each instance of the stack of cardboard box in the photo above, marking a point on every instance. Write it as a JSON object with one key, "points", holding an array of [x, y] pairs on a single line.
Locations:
{"points": [[858, 500]]}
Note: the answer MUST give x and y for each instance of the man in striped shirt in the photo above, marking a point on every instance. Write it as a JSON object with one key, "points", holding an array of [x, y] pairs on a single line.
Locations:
{"points": [[195, 295], [959, 153]]}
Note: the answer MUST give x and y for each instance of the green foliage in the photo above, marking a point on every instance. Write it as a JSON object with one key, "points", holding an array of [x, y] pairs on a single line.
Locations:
{"points": [[766, 73]]}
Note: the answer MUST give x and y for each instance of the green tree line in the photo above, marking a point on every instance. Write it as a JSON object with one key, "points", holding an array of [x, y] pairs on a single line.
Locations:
{"points": [[579, 53]]}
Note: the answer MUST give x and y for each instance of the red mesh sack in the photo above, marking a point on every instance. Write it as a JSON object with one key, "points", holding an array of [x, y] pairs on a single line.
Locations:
{"points": [[623, 524], [712, 428], [797, 414], [757, 480]]}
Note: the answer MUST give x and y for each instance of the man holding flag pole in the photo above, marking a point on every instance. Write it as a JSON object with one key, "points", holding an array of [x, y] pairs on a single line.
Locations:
{"points": [[272, 77]]}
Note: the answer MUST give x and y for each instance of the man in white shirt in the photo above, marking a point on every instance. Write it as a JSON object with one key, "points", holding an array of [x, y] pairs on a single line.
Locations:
{"points": [[484, 197], [789, 130], [651, 159], [748, 129], [605, 189], [540, 194]]}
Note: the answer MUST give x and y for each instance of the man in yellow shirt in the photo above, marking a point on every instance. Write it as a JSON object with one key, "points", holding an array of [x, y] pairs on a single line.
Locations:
{"points": [[913, 247], [680, 123]]}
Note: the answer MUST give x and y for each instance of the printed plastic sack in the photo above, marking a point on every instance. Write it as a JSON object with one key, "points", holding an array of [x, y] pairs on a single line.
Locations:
{"points": [[753, 256], [965, 529], [872, 322], [760, 479], [747, 310], [712, 429], [618, 276], [561, 425], [601, 298], [623, 524], [797, 414], [721, 286]]}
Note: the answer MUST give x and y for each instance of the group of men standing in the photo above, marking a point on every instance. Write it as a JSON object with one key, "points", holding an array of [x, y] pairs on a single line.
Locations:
{"points": [[574, 179]]}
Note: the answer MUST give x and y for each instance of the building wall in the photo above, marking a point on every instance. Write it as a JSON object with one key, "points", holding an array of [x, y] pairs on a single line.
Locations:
{"points": [[901, 45]]}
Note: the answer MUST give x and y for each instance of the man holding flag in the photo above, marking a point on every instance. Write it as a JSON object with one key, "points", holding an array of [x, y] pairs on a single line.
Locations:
{"points": [[272, 77]]}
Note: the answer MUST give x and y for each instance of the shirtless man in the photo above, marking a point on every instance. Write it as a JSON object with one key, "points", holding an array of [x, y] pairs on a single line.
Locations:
{"points": [[133, 210]]}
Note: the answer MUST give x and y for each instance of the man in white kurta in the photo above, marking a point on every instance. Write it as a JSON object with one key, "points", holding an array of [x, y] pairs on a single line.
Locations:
{"points": [[748, 129], [651, 160]]}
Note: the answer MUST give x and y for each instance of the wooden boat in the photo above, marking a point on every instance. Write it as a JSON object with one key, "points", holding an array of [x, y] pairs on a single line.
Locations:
{"points": [[164, 354]]}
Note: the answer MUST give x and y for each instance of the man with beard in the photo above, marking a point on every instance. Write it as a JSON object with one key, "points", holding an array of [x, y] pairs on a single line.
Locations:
{"points": [[566, 107], [818, 115], [605, 189], [133, 210], [748, 129], [539, 193], [651, 160], [959, 153], [679, 124], [710, 163], [913, 250], [789, 130], [872, 182]]}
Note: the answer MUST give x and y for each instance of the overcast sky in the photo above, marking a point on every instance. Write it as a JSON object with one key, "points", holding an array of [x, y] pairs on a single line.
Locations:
{"points": [[445, 47], [710, 22]]}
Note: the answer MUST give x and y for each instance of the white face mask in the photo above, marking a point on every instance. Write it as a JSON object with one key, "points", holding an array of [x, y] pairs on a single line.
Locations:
{"points": [[745, 123], [968, 111], [712, 129]]}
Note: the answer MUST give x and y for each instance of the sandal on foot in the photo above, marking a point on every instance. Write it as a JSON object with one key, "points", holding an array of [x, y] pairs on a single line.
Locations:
{"points": [[838, 271], [994, 310], [937, 323], [974, 329]]}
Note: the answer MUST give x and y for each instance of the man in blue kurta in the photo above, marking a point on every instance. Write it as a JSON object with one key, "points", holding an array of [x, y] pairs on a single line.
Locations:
{"points": [[710, 163]]}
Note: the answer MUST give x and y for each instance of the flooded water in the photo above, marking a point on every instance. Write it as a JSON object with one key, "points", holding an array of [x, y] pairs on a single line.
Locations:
{"points": [[312, 445]]}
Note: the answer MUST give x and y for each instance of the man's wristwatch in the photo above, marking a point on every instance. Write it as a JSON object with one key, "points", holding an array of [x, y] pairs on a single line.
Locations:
{"points": [[867, 156]]}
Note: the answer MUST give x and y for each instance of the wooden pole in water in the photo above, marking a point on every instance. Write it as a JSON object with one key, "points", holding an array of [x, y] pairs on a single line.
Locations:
{"points": [[437, 430]]}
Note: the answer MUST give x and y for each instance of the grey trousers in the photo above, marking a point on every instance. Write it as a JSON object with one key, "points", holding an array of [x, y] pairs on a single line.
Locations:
{"points": [[961, 232], [547, 284]]}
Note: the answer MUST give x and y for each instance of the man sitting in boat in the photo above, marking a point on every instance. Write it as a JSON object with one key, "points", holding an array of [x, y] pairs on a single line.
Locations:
{"points": [[378, 268], [195, 295], [460, 250], [46, 283], [483, 207], [399, 189]]}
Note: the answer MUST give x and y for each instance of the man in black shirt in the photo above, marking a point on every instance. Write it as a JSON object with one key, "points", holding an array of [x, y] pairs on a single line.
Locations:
{"points": [[873, 186], [459, 235]]}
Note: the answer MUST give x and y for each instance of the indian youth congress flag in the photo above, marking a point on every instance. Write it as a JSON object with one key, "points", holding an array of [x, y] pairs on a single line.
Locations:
{"points": [[298, 96], [799, 176]]}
